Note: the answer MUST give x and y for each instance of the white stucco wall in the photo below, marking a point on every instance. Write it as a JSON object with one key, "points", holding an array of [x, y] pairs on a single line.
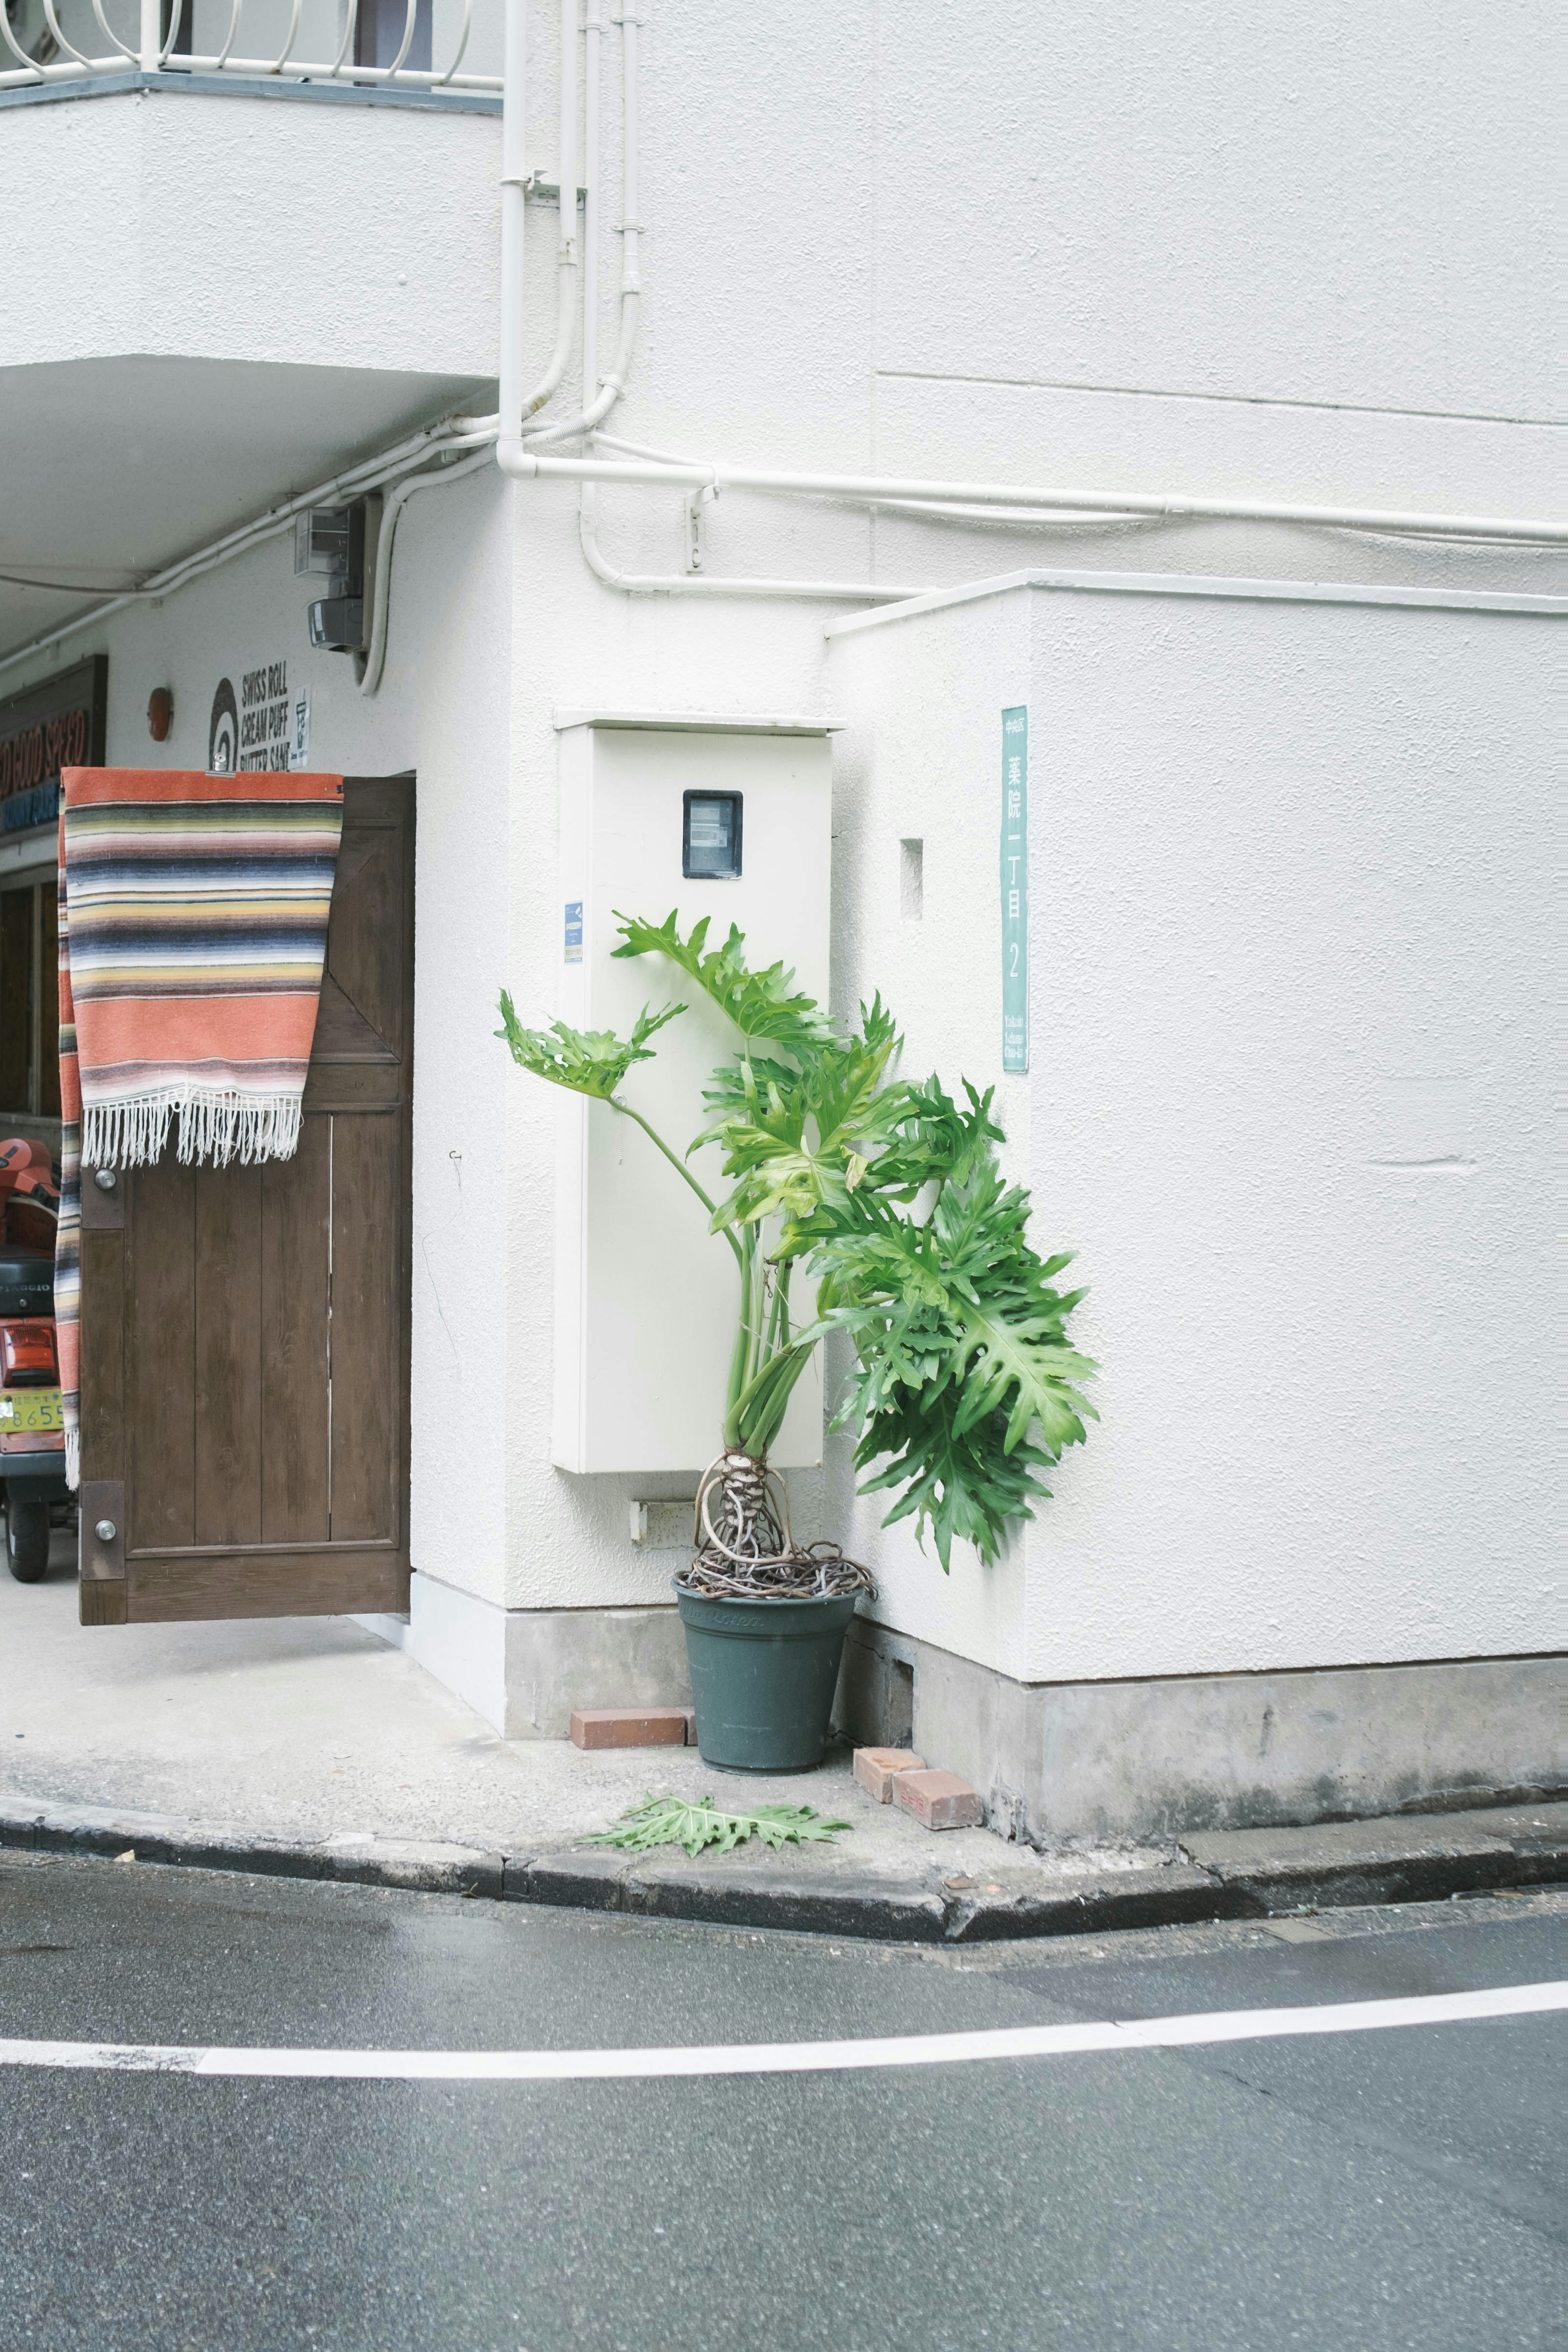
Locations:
{"points": [[1284, 253], [836, 280], [1288, 1098], [236, 227], [1278, 252]]}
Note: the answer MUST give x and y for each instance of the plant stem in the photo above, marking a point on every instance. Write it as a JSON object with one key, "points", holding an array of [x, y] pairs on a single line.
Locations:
{"points": [[684, 1172], [759, 1414], [758, 1308], [737, 1380], [751, 1304]]}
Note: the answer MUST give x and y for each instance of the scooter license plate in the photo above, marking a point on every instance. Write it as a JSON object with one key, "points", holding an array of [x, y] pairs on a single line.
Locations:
{"points": [[30, 1409]]}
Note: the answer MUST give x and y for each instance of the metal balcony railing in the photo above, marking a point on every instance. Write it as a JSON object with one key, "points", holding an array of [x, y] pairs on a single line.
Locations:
{"points": [[419, 47]]}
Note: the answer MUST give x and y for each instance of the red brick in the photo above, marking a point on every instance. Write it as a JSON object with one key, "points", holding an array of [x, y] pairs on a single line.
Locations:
{"points": [[877, 1768], [630, 1726], [938, 1801]]}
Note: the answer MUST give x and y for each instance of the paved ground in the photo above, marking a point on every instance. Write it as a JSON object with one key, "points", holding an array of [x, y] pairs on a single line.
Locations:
{"points": [[1393, 2192], [309, 1729]]}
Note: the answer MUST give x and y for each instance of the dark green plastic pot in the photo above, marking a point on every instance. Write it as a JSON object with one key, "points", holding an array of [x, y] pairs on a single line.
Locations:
{"points": [[763, 1677]]}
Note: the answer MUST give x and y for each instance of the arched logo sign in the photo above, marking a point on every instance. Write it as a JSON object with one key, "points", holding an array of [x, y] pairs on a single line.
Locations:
{"points": [[223, 731]]}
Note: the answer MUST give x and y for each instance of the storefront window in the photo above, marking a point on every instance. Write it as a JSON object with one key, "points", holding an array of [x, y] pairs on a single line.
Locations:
{"points": [[30, 1007]]}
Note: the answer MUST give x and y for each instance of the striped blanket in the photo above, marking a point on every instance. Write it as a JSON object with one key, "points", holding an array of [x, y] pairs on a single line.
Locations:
{"points": [[193, 928]]}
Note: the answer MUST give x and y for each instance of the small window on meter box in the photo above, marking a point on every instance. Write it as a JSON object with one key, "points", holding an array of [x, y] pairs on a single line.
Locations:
{"points": [[710, 845]]}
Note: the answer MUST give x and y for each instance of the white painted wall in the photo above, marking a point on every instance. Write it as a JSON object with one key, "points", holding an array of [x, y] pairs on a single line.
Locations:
{"points": [[235, 227], [1288, 253], [1288, 1098], [798, 282], [1272, 252], [207, 303]]}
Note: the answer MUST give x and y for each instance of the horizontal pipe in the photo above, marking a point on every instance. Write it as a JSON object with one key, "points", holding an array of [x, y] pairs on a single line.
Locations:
{"points": [[680, 583], [522, 463], [942, 511]]}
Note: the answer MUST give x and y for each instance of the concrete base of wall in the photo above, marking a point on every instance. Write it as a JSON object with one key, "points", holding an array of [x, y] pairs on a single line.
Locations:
{"points": [[525, 1669], [1136, 1759], [1151, 1760]]}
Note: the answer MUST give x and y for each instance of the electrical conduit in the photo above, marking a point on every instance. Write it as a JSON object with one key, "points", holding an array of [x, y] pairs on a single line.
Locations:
{"points": [[524, 465], [566, 256], [601, 397]]}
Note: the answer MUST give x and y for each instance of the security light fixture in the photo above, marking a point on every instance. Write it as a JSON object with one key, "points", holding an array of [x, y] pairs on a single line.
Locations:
{"points": [[337, 625]]}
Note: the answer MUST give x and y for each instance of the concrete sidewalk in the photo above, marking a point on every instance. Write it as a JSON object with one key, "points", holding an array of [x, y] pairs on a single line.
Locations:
{"points": [[309, 1746]]}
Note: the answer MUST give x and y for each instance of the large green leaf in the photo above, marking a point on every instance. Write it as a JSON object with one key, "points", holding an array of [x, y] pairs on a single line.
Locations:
{"points": [[588, 1061], [677, 1820], [761, 1003], [961, 1353]]}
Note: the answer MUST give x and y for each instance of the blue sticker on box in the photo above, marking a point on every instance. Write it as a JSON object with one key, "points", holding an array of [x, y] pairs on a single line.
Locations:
{"points": [[574, 930]]}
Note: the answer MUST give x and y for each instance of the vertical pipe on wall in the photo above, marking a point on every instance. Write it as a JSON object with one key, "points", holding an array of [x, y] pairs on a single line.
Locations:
{"points": [[594, 40], [151, 35], [599, 403], [630, 197], [566, 300], [514, 171]]}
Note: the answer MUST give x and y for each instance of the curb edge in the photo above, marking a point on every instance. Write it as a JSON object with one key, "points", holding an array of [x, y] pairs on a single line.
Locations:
{"points": [[1173, 1894]]}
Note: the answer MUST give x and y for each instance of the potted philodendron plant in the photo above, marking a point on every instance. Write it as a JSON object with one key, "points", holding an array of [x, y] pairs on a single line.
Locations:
{"points": [[886, 1195]]}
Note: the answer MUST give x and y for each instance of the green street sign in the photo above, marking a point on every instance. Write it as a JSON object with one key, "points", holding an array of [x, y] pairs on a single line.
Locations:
{"points": [[1015, 890]]}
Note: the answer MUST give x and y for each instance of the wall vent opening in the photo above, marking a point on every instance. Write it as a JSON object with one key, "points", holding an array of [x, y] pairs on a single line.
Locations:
{"points": [[912, 881]]}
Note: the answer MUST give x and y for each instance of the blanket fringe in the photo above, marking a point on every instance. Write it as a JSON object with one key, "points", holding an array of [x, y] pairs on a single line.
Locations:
{"points": [[73, 1457], [215, 1128]]}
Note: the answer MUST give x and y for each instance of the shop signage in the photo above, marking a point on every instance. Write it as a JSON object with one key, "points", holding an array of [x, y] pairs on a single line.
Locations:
{"points": [[1015, 890], [262, 727], [57, 724]]}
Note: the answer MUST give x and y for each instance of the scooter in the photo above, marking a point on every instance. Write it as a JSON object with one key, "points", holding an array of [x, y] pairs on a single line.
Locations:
{"points": [[32, 1420]]}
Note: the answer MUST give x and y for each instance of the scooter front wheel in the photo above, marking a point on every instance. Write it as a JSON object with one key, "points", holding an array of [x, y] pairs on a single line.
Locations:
{"points": [[27, 1536]]}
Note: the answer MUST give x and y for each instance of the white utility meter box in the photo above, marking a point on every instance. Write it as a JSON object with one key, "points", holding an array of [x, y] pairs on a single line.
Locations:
{"points": [[730, 819]]}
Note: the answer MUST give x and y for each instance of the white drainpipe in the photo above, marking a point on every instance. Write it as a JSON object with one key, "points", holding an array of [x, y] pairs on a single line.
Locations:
{"points": [[514, 209], [682, 584], [876, 489], [566, 258], [597, 403], [592, 47]]}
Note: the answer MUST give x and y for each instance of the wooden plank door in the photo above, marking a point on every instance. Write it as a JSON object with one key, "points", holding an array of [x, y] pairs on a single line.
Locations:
{"points": [[244, 1331]]}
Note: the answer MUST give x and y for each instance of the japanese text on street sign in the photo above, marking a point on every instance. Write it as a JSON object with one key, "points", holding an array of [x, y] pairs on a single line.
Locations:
{"points": [[1015, 890]]}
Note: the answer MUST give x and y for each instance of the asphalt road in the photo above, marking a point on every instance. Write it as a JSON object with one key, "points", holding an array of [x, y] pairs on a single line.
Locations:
{"points": [[1362, 2192]]}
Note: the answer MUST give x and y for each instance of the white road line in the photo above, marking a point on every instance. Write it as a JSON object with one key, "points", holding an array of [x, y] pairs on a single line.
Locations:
{"points": [[790, 2057]]}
